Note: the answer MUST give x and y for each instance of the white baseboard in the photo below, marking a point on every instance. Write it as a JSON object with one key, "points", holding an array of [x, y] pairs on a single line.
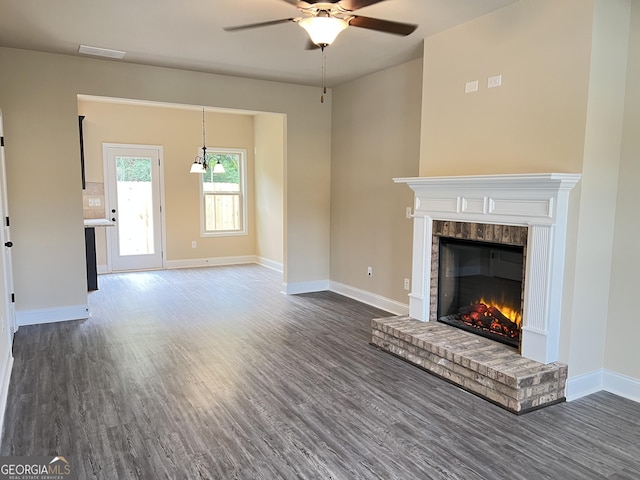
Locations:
{"points": [[7, 365], [623, 385], [51, 315], [583, 385], [305, 287], [273, 265], [363, 296], [211, 262], [375, 300], [607, 380]]}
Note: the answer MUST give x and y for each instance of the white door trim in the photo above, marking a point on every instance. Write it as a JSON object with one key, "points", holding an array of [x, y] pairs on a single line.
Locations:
{"points": [[5, 236]]}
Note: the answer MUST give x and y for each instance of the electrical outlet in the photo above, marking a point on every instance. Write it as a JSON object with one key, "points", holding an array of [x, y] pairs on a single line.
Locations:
{"points": [[369, 271], [409, 213], [194, 244], [407, 284]]}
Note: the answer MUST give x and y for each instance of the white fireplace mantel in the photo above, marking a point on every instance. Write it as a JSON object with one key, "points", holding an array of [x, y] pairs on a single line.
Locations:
{"points": [[537, 201]]}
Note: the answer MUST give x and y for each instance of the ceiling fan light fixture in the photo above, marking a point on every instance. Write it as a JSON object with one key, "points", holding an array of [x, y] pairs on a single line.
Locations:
{"points": [[323, 30]]}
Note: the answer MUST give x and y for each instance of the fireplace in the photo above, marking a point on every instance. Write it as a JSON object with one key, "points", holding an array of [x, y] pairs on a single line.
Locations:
{"points": [[480, 286], [531, 209], [502, 238]]}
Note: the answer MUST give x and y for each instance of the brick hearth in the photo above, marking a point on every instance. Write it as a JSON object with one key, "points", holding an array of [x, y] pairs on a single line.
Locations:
{"points": [[484, 367]]}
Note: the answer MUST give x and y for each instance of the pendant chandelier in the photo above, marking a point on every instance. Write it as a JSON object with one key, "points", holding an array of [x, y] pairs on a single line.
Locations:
{"points": [[200, 164]]}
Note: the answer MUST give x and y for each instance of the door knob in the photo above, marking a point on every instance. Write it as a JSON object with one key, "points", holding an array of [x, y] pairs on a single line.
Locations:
{"points": [[8, 244], [113, 210]]}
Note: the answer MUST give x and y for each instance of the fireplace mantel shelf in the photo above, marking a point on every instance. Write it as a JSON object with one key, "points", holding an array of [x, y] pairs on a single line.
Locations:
{"points": [[538, 201], [530, 180], [502, 199]]}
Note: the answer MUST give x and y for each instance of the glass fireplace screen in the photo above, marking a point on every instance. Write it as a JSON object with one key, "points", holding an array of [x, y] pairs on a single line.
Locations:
{"points": [[480, 288]]}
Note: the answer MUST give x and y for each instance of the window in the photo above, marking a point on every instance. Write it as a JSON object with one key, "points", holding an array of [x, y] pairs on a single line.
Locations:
{"points": [[223, 210]]}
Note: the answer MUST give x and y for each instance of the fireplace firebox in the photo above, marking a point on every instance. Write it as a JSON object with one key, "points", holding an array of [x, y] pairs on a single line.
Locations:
{"points": [[480, 288]]}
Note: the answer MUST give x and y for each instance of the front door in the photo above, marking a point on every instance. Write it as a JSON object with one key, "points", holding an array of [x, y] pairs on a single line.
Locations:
{"points": [[133, 196]]}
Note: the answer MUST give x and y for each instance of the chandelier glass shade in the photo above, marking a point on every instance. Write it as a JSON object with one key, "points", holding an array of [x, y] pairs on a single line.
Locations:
{"points": [[323, 30]]}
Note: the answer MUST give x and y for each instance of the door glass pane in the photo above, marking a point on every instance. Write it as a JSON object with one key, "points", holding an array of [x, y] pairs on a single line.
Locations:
{"points": [[135, 206]]}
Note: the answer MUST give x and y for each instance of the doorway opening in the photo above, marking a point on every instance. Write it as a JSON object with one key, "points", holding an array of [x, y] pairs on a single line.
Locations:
{"points": [[178, 129]]}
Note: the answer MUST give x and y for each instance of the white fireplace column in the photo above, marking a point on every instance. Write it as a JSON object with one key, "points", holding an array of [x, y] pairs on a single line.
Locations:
{"points": [[537, 201]]}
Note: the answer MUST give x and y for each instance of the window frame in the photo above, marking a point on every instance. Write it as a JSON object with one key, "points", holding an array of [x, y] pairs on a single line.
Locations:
{"points": [[242, 194]]}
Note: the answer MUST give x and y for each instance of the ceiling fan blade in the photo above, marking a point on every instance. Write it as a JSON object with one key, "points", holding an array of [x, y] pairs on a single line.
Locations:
{"points": [[307, 3], [397, 28], [352, 5], [259, 24], [348, 5]]}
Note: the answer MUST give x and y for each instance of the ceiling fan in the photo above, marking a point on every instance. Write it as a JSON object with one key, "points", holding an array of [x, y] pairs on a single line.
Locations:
{"points": [[324, 20]]}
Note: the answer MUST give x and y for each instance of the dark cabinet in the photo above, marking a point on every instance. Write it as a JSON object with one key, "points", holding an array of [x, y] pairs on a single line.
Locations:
{"points": [[90, 250], [80, 120]]}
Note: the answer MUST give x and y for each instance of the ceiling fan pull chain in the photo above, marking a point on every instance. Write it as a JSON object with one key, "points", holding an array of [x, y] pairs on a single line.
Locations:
{"points": [[324, 76]]}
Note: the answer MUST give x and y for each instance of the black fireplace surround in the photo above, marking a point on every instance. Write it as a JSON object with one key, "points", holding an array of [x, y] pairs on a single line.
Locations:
{"points": [[480, 288]]}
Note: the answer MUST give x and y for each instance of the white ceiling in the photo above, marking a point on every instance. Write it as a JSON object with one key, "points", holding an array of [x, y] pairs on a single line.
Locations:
{"points": [[189, 34]]}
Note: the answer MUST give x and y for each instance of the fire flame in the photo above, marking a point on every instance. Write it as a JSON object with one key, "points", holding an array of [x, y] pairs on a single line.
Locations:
{"points": [[512, 314]]}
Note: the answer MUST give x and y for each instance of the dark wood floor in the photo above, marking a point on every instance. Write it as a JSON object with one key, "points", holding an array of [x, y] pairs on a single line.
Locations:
{"points": [[213, 373]]}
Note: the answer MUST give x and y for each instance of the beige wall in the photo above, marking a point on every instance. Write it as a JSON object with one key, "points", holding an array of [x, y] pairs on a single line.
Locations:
{"points": [[560, 109], [375, 138], [269, 167], [534, 122], [39, 103], [623, 327], [179, 132], [595, 222], [41, 121]]}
